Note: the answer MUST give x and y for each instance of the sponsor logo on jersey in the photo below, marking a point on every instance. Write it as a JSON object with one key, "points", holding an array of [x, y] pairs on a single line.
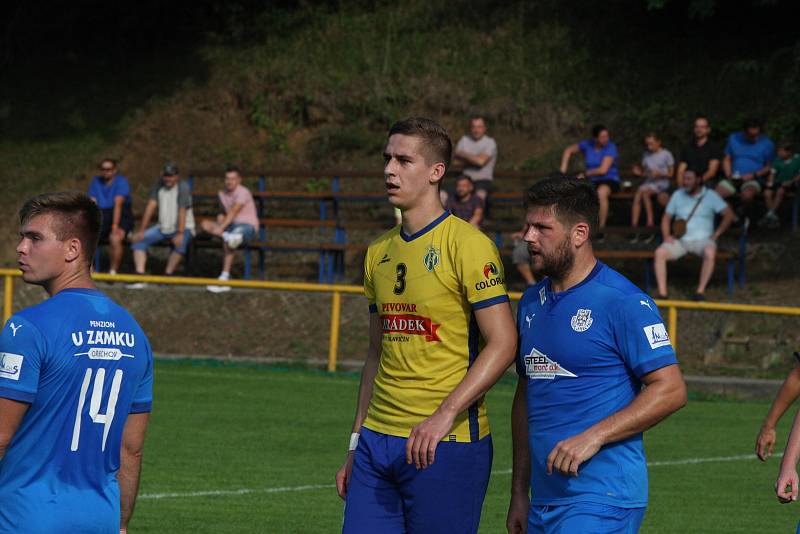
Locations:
{"points": [[398, 307], [431, 259], [582, 320], [10, 365], [645, 303], [539, 367], [97, 353], [490, 269], [656, 335], [529, 318], [484, 284], [385, 259], [104, 337], [410, 324], [14, 329], [542, 295]]}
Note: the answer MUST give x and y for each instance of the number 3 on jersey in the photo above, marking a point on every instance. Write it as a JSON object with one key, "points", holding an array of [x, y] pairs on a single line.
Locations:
{"points": [[104, 419], [400, 284]]}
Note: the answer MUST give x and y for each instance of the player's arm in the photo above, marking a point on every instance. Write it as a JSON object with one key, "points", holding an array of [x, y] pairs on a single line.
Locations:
{"points": [[728, 217], [497, 328], [713, 169], [476, 160], [566, 155], [789, 392], [665, 393], [726, 166], [786, 487], [605, 164], [477, 217], [11, 414], [517, 519], [364, 396], [149, 211], [231, 215], [130, 464], [666, 227]]}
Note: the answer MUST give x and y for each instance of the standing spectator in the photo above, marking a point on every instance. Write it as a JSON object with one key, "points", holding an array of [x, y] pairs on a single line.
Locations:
{"points": [[112, 193], [173, 199], [657, 168], [237, 224], [783, 176], [696, 206], [476, 153], [748, 158], [465, 204], [702, 156], [600, 158]]}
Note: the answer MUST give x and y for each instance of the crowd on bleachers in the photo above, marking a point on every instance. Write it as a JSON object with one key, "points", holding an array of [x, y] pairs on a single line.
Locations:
{"points": [[699, 194]]}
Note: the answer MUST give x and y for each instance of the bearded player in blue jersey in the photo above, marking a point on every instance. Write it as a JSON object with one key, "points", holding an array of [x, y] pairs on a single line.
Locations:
{"points": [[76, 376], [588, 340]]}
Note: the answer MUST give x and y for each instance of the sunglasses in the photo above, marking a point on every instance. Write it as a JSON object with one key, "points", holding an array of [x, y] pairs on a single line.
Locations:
{"points": [[106, 168]]}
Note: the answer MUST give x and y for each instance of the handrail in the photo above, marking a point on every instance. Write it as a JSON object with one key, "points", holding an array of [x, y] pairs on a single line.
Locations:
{"points": [[336, 290]]}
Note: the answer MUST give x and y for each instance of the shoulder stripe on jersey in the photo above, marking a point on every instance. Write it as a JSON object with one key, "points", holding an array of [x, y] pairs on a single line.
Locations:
{"points": [[425, 230], [141, 407], [490, 302]]}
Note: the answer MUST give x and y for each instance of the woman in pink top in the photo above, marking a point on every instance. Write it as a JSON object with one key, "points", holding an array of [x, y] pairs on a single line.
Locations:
{"points": [[238, 224]]}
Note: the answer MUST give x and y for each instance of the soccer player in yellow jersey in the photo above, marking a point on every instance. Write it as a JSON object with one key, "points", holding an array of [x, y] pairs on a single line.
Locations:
{"points": [[420, 453]]}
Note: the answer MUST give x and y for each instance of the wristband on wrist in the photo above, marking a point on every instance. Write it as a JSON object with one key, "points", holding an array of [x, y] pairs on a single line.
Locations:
{"points": [[353, 442]]}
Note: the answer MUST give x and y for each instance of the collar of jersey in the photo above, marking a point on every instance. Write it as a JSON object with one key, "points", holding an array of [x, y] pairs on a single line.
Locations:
{"points": [[82, 291], [425, 230], [556, 296]]}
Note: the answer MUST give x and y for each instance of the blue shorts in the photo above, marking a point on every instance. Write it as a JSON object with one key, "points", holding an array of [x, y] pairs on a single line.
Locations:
{"points": [[154, 234], [584, 517], [246, 230], [388, 496]]}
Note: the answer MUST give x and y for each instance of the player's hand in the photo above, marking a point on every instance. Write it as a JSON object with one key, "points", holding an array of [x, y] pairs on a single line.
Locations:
{"points": [[343, 475], [425, 437], [137, 236], [517, 519], [786, 486], [177, 239], [670, 239], [765, 443], [570, 453]]}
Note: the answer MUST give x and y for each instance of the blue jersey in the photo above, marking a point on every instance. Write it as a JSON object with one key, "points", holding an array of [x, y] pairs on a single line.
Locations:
{"points": [[105, 193], [583, 352], [749, 156], [82, 364]]}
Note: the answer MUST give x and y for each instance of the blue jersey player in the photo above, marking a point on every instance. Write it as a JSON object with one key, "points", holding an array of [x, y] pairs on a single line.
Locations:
{"points": [[588, 340], [76, 375]]}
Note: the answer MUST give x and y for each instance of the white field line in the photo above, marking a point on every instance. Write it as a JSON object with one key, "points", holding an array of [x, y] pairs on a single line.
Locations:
{"points": [[314, 487]]}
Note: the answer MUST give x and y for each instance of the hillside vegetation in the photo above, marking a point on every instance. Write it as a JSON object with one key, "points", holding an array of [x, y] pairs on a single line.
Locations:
{"points": [[317, 85]]}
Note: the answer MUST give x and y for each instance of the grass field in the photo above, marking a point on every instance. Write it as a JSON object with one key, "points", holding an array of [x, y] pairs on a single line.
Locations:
{"points": [[254, 449]]}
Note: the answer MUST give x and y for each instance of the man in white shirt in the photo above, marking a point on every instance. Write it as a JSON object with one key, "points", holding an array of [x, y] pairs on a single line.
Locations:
{"points": [[476, 153]]}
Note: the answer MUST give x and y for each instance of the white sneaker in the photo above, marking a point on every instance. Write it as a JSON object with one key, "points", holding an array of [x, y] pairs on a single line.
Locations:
{"points": [[137, 285], [233, 240], [220, 289]]}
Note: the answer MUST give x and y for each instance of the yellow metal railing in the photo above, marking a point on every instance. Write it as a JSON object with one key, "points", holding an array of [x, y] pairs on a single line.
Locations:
{"points": [[336, 290]]}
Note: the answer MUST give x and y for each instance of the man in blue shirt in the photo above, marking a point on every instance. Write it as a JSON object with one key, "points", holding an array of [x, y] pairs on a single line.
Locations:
{"points": [[76, 376], [748, 159], [600, 157], [588, 340], [112, 193], [698, 207]]}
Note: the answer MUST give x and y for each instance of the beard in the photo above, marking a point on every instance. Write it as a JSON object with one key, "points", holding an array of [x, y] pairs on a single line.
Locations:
{"points": [[556, 265]]}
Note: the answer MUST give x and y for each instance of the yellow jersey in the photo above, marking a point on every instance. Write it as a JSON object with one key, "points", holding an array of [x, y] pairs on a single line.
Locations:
{"points": [[426, 287]]}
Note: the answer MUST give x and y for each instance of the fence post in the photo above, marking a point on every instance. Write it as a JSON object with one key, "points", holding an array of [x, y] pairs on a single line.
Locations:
{"points": [[333, 347], [8, 296], [673, 327]]}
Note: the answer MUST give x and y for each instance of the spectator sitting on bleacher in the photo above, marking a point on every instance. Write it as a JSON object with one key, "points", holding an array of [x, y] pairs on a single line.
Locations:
{"points": [[112, 193], [600, 159], [702, 156], [656, 169], [783, 177], [465, 203], [748, 158], [173, 199], [696, 206], [476, 155], [237, 224]]}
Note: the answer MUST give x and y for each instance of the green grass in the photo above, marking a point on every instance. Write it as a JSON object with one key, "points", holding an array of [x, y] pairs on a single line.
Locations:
{"points": [[223, 428]]}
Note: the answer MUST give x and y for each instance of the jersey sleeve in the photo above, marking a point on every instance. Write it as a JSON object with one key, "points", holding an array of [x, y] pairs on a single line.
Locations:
{"points": [[672, 205], [143, 397], [717, 202], [369, 285], [123, 189], [641, 336], [670, 159], [184, 195], [481, 272], [93, 186], [22, 353]]}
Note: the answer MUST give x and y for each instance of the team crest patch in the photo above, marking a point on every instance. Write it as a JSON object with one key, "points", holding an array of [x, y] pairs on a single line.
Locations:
{"points": [[10, 365], [582, 320], [539, 367], [431, 259], [656, 335]]}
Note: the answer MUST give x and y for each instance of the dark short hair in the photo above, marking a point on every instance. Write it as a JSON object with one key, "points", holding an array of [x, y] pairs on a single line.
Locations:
{"points": [[785, 144], [572, 200], [701, 116], [477, 116], [76, 216], [233, 168], [436, 144], [464, 177], [596, 129], [652, 135], [753, 122]]}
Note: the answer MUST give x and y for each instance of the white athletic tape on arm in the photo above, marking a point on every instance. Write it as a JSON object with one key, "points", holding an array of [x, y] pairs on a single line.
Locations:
{"points": [[353, 442]]}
